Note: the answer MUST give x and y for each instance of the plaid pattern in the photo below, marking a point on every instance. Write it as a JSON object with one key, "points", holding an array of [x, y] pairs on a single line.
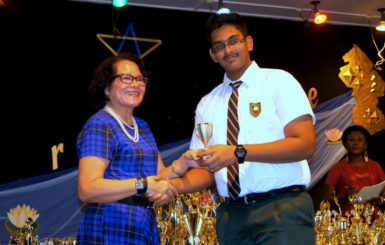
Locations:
{"points": [[116, 223]]}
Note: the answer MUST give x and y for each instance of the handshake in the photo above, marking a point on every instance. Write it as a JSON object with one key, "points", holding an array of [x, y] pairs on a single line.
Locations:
{"points": [[162, 187], [160, 190], [173, 180]]}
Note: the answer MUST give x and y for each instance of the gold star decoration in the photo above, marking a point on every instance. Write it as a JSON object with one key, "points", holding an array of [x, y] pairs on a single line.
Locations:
{"points": [[101, 37]]}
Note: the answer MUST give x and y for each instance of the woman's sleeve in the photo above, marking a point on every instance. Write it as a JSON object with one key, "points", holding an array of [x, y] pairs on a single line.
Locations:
{"points": [[95, 139], [379, 171]]}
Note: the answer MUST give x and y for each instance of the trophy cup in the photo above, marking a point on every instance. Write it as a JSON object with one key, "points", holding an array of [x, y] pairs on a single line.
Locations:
{"points": [[204, 132], [193, 220]]}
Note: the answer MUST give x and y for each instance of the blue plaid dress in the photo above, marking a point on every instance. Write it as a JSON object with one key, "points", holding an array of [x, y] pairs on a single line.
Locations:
{"points": [[118, 223]]}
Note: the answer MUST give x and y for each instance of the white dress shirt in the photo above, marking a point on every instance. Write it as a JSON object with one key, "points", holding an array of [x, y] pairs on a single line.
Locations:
{"points": [[282, 100]]}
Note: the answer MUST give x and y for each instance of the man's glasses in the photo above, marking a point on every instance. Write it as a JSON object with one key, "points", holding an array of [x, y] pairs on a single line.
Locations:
{"points": [[129, 79], [219, 46]]}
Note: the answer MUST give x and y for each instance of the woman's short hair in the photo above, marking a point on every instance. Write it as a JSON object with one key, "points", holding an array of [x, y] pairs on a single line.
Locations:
{"points": [[355, 128], [103, 74]]}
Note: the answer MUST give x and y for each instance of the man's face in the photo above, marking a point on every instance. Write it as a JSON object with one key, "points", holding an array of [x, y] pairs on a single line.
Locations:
{"points": [[231, 50]]}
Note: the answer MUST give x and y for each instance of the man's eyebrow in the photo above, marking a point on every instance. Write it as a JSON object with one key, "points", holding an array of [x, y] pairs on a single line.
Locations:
{"points": [[220, 41]]}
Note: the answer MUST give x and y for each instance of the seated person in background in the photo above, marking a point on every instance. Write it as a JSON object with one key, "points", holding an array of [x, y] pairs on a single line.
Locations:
{"points": [[355, 171]]}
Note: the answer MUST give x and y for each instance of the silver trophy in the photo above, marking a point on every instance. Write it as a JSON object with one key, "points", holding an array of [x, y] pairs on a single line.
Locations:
{"points": [[204, 132]]}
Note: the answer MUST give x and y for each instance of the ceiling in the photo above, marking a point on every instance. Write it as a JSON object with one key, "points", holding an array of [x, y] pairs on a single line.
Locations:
{"points": [[340, 12]]}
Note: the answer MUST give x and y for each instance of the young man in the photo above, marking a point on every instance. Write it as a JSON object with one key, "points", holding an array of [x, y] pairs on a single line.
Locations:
{"points": [[262, 135]]}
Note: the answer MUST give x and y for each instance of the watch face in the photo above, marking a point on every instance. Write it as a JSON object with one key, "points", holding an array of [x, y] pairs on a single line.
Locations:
{"points": [[240, 152], [139, 184]]}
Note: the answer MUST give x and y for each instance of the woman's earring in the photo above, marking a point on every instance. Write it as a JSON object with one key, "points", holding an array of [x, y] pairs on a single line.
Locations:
{"points": [[107, 92], [366, 157]]}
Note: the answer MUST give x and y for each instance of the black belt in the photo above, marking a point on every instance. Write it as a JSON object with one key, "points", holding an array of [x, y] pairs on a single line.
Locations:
{"points": [[250, 198], [136, 200]]}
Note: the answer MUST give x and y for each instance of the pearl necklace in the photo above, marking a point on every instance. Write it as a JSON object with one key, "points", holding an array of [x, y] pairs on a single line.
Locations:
{"points": [[120, 121]]}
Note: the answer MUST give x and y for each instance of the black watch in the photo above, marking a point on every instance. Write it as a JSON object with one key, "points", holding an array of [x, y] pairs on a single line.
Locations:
{"points": [[141, 185], [240, 153]]}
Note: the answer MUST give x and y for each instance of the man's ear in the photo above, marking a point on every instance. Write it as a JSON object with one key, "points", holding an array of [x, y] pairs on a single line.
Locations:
{"points": [[212, 55], [250, 43]]}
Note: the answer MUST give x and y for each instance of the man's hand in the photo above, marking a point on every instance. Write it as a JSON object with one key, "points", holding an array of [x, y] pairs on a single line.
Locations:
{"points": [[221, 156]]}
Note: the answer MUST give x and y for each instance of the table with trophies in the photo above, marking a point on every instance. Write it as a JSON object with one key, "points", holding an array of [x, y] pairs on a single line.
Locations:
{"points": [[359, 226]]}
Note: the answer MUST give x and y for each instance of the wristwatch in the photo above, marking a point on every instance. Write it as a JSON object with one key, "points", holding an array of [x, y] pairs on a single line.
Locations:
{"points": [[141, 185], [240, 153]]}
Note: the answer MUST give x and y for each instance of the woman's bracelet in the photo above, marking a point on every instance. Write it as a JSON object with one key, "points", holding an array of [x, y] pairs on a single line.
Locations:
{"points": [[175, 171]]}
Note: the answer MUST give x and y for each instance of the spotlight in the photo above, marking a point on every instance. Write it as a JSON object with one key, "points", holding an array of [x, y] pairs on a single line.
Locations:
{"points": [[222, 8], [381, 24], [119, 3], [319, 18]]}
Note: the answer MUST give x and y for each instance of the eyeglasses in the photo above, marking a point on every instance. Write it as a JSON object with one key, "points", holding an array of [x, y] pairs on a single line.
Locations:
{"points": [[232, 41], [129, 79]]}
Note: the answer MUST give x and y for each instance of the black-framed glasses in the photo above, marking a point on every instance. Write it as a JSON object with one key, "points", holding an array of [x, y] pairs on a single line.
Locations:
{"points": [[232, 41], [129, 79]]}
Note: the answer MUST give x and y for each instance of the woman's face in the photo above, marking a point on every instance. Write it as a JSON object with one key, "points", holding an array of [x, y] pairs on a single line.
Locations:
{"points": [[125, 95], [356, 143]]}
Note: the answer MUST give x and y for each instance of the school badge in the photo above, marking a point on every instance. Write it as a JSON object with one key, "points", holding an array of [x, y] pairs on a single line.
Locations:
{"points": [[255, 109]]}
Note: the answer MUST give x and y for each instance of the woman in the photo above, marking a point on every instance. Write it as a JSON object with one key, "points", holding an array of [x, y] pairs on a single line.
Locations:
{"points": [[355, 171], [120, 165]]}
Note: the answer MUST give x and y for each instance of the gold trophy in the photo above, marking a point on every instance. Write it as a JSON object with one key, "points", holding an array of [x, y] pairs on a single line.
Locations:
{"points": [[204, 132], [193, 220]]}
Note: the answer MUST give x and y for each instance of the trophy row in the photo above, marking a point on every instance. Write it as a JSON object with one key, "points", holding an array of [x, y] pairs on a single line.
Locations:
{"points": [[355, 227], [189, 218]]}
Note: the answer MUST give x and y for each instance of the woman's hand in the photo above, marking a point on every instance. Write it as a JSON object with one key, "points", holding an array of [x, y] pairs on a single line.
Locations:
{"points": [[190, 159], [160, 190]]}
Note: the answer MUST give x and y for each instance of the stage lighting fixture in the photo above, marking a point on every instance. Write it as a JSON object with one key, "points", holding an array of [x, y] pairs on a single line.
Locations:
{"points": [[222, 8], [381, 24], [119, 3], [319, 18]]}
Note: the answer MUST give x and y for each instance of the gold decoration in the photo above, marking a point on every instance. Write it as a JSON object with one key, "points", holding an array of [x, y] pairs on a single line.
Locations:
{"points": [[372, 77], [189, 217], [157, 42], [367, 86], [348, 75], [19, 215], [21, 225], [55, 151], [311, 96], [354, 227]]}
